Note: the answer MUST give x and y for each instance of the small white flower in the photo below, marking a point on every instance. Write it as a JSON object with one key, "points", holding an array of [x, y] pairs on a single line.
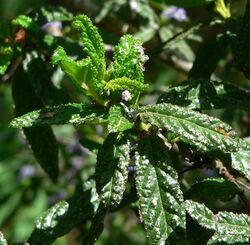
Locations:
{"points": [[126, 95]]}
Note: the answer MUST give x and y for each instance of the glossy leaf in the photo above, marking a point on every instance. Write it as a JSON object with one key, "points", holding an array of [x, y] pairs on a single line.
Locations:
{"points": [[241, 47], [129, 59], [71, 113], [42, 140], [236, 226], [117, 121], [160, 197], [221, 239], [213, 187], [206, 94], [240, 160], [112, 170], [198, 130], [65, 215], [23, 21]]}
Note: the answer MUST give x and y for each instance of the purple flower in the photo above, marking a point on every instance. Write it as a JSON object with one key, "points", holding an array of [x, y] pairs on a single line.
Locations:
{"points": [[176, 13], [27, 171], [54, 28]]}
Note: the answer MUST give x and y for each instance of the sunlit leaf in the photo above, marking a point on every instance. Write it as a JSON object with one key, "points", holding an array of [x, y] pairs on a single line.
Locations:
{"points": [[112, 170], [199, 130], [160, 197], [71, 113], [234, 227], [117, 121]]}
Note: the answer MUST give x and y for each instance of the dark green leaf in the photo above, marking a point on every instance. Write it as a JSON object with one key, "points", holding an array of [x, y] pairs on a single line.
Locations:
{"points": [[112, 170], [160, 197], [230, 225], [65, 215], [117, 121], [241, 48], [206, 94], [214, 187], [63, 114], [208, 57], [42, 140], [198, 130]]}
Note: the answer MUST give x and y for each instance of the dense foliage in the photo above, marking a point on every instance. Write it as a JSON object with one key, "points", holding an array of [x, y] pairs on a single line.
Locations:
{"points": [[156, 104]]}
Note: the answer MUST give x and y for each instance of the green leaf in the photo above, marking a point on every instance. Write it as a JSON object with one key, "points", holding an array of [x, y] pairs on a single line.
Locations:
{"points": [[56, 14], [112, 170], [124, 83], [42, 140], [221, 239], [208, 57], [3, 241], [236, 226], [81, 72], [213, 187], [117, 121], [23, 21], [240, 160], [7, 54], [206, 94], [241, 48], [198, 130], [160, 197], [93, 43], [72, 113], [65, 215], [187, 3], [129, 59]]}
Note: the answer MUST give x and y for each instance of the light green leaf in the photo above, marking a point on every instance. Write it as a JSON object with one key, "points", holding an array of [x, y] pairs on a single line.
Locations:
{"points": [[93, 43], [117, 121], [240, 160], [213, 187], [23, 21], [7, 54], [206, 94], [81, 72], [198, 130], [124, 83], [129, 59], [160, 197], [61, 218], [112, 170], [224, 223], [71, 113], [56, 14]]}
